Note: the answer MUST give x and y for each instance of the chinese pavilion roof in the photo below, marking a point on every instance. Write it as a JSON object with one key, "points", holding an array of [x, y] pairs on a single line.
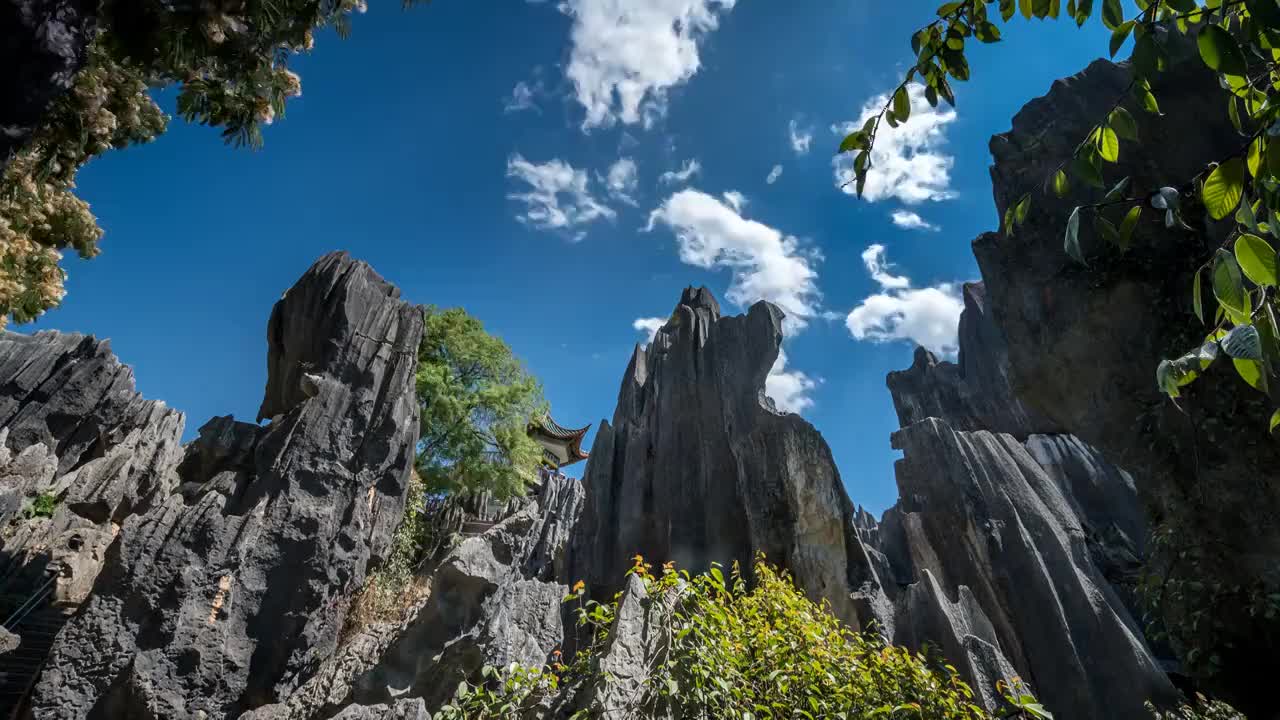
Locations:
{"points": [[560, 445]]}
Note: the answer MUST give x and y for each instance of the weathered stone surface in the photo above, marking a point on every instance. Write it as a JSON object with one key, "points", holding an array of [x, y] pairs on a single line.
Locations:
{"points": [[698, 466], [1084, 342], [42, 45], [493, 602], [973, 394], [987, 525], [635, 644], [226, 596]]}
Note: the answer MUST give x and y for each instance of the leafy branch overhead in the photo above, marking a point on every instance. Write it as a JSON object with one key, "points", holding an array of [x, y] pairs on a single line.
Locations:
{"points": [[230, 61], [1239, 40]]}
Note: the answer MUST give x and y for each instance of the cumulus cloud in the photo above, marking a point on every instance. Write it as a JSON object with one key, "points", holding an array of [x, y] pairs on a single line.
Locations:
{"points": [[766, 264], [911, 221], [622, 179], [908, 162], [927, 316], [736, 200], [790, 389], [774, 174], [627, 54], [687, 171], [649, 326], [800, 137], [558, 198]]}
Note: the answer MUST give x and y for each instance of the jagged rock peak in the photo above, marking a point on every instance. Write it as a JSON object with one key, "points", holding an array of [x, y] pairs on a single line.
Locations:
{"points": [[228, 595], [698, 466], [973, 394]]}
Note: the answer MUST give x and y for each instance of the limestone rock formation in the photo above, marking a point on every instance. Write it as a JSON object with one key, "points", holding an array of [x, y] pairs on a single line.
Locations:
{"points": [[1012, 550], [80, 451], [1084, 343], [227, 595], [42, 46], [495, 600], [699, 467]]}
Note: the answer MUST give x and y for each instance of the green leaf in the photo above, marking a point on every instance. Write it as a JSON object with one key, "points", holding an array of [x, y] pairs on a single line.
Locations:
{"points": [[1233, 113], [1119, 36], [1275, 420], [1228, 286], [1108, 144], [1021, 209], [1273, 158], [1251, 372], [1112, 14], [1146, 99], [1253, 161], [1007, 9], [1122, 122], [1060, 184], [901, 104], [1117, 191], [1257, 259], [1071, 241], [1223, 189], [1084, 169], [856, 140], [987, 33], [1128, 225], [1026, 8], [1220, 51], [1197, 299], [1147, 57], [949, 8], [1108, 231]]}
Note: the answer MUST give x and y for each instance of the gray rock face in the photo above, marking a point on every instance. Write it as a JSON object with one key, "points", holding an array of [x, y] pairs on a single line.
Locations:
{"points": [[1084, 342], [698, 466], [1014, 551], [227, 595], [42, 46], [494, 601], [974, 394]]}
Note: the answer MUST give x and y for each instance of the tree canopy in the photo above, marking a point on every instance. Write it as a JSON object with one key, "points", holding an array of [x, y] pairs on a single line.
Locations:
{"points": [[476, 400], [230, 59]]}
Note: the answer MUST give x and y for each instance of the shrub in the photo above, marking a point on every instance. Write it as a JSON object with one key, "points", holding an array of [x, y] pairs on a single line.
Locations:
{"points": [[727, 651]]}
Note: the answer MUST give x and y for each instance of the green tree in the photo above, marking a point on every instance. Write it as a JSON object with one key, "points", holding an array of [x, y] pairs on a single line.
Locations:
{"points": [[229, 58], [476, 401]]}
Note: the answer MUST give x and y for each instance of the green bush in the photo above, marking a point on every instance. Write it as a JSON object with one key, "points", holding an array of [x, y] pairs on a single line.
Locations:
{"points": [[731, 652], [41, 506]]}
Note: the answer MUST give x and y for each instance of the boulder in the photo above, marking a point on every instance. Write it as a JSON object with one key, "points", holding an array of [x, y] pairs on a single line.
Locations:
{"points": [[227, 596]]}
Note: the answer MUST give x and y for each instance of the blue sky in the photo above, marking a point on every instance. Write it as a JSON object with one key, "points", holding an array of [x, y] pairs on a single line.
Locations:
{"points": [[467, 154]]}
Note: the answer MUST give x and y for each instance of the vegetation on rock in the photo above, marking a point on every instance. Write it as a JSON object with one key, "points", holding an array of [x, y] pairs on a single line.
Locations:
{"points": [[724, 650], [230, 60]]}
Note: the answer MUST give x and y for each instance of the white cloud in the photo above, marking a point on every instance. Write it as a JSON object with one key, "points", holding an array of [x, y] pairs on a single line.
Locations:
{"points": [[774, 174], [800, 137], [627, 54], [521, 97], [687, 171], [736, 200], [558, 198], [766, 264], [649, 326], [908, 162], [789, 388], [912, 221], [927, 316], [622, 180]]}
